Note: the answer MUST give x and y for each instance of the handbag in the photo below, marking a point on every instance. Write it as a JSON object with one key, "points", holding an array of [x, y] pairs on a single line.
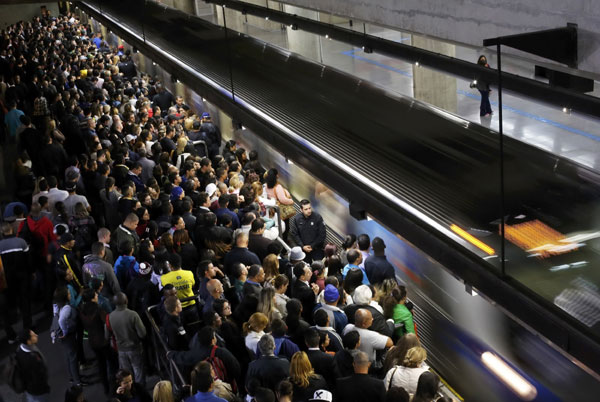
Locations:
{"points": [[285, 211]]}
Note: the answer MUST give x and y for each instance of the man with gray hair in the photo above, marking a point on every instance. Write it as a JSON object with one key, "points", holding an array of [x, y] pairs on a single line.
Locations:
{"points": [[360, 386], [240, 253], [362, 297], [268, 369]]}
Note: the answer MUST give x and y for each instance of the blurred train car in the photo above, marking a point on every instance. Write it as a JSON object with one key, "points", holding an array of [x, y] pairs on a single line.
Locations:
{"points": [[459, 328]]}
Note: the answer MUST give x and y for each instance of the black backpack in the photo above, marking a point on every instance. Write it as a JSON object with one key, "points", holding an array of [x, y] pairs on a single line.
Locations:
{"points": [[11, 373]]}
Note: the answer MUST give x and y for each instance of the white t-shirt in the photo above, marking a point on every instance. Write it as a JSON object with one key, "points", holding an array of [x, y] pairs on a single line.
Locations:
{"points": [[370, 341], [252, 339]]}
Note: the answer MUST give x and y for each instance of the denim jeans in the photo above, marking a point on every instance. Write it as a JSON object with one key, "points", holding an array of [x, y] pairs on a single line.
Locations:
{"points": [[69, 344], [134, 362], [484, 106], [36, 398]]}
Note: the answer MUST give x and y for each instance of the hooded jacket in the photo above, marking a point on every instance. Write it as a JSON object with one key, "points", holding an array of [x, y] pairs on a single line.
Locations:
{"points": [[96, 267]]}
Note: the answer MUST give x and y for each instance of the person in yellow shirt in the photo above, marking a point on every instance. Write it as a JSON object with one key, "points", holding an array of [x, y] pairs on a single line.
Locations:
{"points": [[183, 281]]}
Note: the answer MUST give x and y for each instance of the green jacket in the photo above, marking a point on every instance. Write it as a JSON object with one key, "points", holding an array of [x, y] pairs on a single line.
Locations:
{"points": [[403, 315]]}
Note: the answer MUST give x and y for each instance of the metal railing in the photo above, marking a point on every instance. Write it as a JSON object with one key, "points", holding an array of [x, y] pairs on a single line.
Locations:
{"points": [[166, 367]]}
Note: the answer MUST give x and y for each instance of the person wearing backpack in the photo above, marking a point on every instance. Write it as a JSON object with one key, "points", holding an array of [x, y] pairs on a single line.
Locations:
{"points": [[64, 331], [15, 259], [33, 368], [203, 346], [66, 261]]}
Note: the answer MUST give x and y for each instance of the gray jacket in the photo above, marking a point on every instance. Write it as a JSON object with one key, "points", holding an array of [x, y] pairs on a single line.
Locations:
{"points": [[128, 329], [96, 267]]}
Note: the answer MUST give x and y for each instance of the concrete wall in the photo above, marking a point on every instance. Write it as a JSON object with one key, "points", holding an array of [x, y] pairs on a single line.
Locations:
{"points": [[471, 21], [9, 14]]}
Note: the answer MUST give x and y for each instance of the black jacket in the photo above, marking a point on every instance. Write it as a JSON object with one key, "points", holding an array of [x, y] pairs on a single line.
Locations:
{"points": [[33, 370], [316, 382], [379, 324], [323, 364], [308, 231], [269, 371], [258, 244], [344, 362], [237, 255], [93, 319], [251, 289], [198, 353], [359, 388], [173, 332], [307, 297]]}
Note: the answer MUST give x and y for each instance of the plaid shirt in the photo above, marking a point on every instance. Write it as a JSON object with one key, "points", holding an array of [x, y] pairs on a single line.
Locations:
{"points": [[40, 107]]}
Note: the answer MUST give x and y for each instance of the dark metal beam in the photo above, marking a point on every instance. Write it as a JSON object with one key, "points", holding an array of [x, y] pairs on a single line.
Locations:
{"points": [[524, 87], [558, 44]]}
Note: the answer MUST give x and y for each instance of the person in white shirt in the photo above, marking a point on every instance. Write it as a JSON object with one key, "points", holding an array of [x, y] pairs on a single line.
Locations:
{"points": [[54, 194], [254, 329], [407, 374], [370, 341]]}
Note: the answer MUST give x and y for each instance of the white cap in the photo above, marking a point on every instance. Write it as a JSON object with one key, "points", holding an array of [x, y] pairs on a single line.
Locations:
{"points": [[210, 189], [322, 395]]}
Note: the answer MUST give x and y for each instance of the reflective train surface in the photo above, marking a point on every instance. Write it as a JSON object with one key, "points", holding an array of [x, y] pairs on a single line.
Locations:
{"points": [[459, 329]]}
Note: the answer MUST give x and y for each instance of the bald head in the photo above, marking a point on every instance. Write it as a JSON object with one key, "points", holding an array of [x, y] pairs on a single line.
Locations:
{"points": [[241, 239], [215, 288], [121, 299], [361, 362], [363, 318]]}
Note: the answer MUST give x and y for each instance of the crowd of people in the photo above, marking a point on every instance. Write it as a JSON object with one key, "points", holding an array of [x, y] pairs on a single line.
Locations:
{"points": [[129, 210]]}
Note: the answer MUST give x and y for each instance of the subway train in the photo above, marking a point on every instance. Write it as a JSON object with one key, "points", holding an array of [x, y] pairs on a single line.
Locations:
{"points": [[459, 328]]}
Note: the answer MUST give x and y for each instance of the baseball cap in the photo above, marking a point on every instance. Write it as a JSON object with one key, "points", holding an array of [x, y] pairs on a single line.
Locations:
{"points": [[176, 193], [378, 243], [331, 294], [65, 238], [130, 137], [206, 115], [322, 395], [145, 268], [210, 189]]}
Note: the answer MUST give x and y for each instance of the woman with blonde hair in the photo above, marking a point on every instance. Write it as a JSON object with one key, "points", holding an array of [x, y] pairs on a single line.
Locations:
{"points": [[163, 392], [407, 374], [266, 304], [254, 329], [395, 356], [303, 378], [271, 267]]}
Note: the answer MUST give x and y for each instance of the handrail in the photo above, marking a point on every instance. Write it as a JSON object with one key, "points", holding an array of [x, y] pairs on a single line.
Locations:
{"points": [[164, 362], [198, 142]]}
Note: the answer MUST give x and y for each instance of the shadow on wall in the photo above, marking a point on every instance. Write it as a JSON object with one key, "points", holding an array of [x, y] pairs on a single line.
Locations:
{"points": [[11, 13], [588, 44]]}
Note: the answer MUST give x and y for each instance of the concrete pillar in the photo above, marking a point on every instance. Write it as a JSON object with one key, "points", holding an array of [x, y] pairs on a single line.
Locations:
{"points": [[306, 44], [203, 8], [431, 86], [226, 126], [187, 6]]}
